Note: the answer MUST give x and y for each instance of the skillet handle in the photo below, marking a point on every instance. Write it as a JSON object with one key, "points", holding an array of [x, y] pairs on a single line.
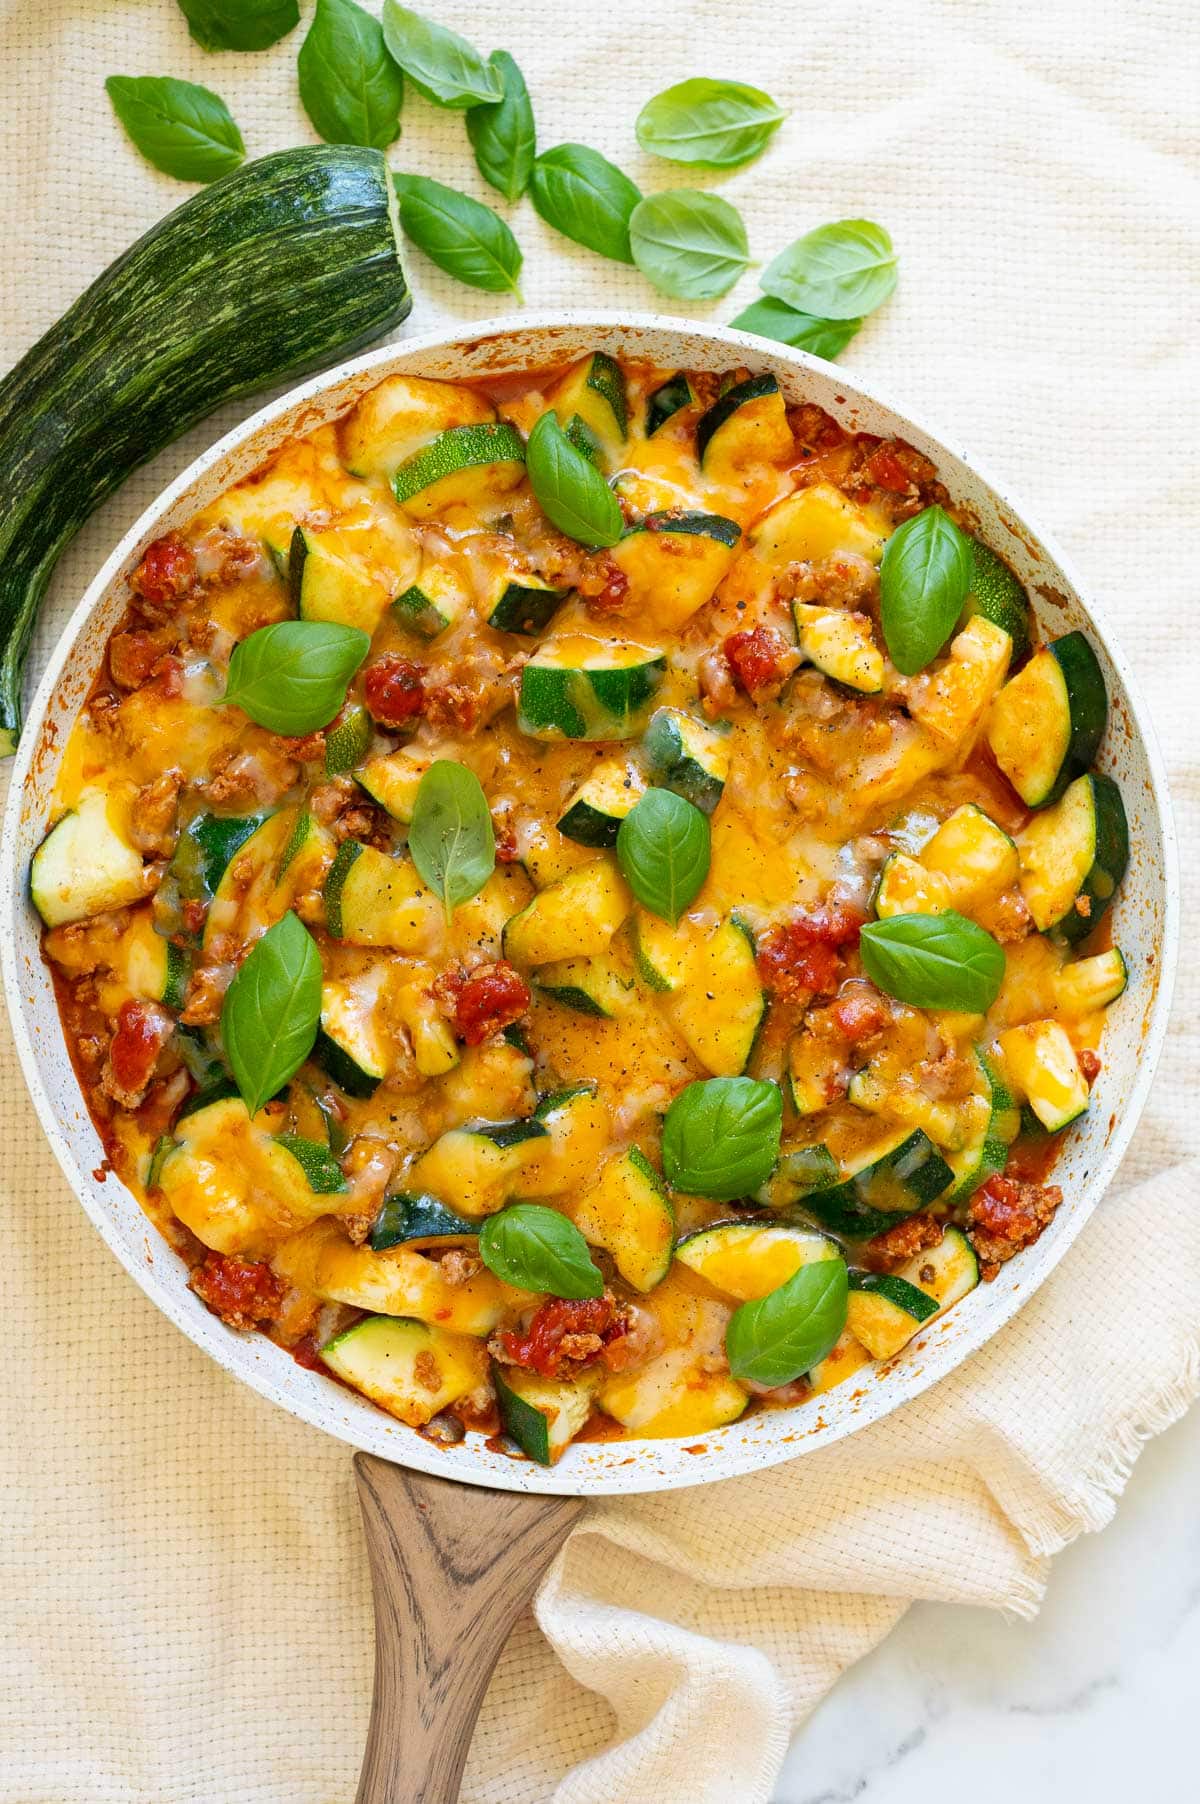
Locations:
{"points": [[452, 1567]]}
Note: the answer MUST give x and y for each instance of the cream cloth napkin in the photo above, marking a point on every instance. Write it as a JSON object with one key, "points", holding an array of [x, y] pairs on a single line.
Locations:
{"points": [[185, 1604]]}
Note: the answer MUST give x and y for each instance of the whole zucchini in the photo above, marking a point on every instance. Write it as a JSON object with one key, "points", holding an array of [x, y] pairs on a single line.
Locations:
{"points": [[273, 271]]}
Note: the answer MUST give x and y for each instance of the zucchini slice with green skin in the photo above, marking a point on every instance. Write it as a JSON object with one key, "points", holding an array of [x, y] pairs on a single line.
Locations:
{"points": [[398, 1282], [205, 846], [1047, 722], [1073, 857], [660, 952], [238, 1188], [801, 1169], [675, 1393], [399, 415], [590, 986], [348, 740], [523, 603], [674, 562], [813, 524], [688, 756], [748, 424], [439, 599], [419, 1220], [85, 866], [584, 688], [905, 887], [999, 597], [667, 400], [976, 857], [720, 1005], [435, 1049], [133, 364], [411, 1369], [884, 1311], [574, 917], [1040, 1060], [543, 1415], [246, 898], [594, 814], [1087, 984], [593, 392], [578, 1131], [948, 1124], [946, 1272], [628, 1213], [374, 900], [349, 1047], [468, 466], [154, 967], [328, 584], [393, 781], [475, 1170], [986, 1152], [841, 645], [750, 1259], [307, 855], [816, 1072], [882, 1188]]}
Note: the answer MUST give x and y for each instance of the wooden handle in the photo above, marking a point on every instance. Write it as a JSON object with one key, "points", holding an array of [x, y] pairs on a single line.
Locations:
{"points": [[452, 1567]]}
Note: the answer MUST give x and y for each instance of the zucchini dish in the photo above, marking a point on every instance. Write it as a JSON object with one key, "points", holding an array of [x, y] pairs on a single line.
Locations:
{"points": [[558, 925]]}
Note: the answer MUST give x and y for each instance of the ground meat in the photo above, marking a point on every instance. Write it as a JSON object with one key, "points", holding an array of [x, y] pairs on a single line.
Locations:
{"points": [[308, 749], [1005, 1215], [482, 1002], [470, 692], [717, 691], [153, 819], [224, 557], [1009, 919], [888, 1251], [814, 430], [143, 1029], [394, 690], [759, 659], [166, 677], [614, 594], [843, 581], [244, 1293], [802, 955], [457, 1265], [133, 655], [1089, 1064], [341, 806], [898, 467], [562, 1336], [205, 995], [257, 775], [166, 574]]}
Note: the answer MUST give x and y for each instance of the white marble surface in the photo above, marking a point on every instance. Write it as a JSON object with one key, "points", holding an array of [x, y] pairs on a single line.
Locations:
{"points": [[1096, 1699]]}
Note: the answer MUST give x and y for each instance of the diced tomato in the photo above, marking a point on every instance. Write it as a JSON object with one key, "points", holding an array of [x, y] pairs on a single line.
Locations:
{"points": [[166, 573], [803, 954], [563, 1332], [1089, 1064], [614, 592], [394, 690], [142, 1030], [859, 1014], [243, 1292], [757, 658], [1006, 1214], [886, 471], [484, 1001], [167, 676]]}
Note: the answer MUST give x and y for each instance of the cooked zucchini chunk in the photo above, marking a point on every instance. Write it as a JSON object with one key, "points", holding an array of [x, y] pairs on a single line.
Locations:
{"points": [[350, 1048], [374, 900], [1073, 857], [1040, 1060], [999, 597], [347, 740], [688, 756], [900, 1099], [847, 1357], [660, 952], [434, 1047], [476, 1170], [543, 1415], [405, 1219], [748, 424], [594, 814], [675, 561], [841, 645], [628, 1213], [1087, 984], [976, 858], [675, 1393], [815, 524], [438, 600], [750, 1259], [719, 1006], [583, 688], [399, 415], [411, 1369], [882, 1186], [1047, 722], [85, 865], [328, 582], [398, 1282], [667, 400], [520, 602], [154, 967], [247, 898], [884, 1311], [952, 699], [992, 1126], [816, 1072], [578, 1128], [946, 1272], [801, 1169], [593, 392], [905, 887], [468, 466], [393, 781], [590, 986], [575, 917]]}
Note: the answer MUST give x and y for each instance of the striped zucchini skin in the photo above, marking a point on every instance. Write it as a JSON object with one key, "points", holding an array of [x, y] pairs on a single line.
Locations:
{"points": [[272, 272]]}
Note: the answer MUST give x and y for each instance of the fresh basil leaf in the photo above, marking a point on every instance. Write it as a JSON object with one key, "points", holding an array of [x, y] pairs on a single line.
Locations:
{"points": [[772, 319], [721, 1137], [292, 677], [535, 1248], [570, 489], [183, 129], [586, 198], [719, 123], [934, 961], [663, 848], [459, 234], [351, 89], [503, 136], [239, 24], [780, 1336], [688, 244], [840, 271], [441, 65], [924, 578], [272, 1010], [451, 839]]}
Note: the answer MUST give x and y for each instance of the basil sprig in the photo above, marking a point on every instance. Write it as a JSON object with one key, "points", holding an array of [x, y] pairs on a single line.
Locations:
{"points": [[721, 1136], [349, 85], [717, 123], [503, 136], [780, 1336], [773, 319], [663, 848], [535, 1248], [451, 839], [441, 65], [291, 677], [272, 1010], [570, 489], [586, 198], [459, 234], [923, 582], [934, 961], [183, 129], [840, 271], [239, 24], [688, 244]]}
